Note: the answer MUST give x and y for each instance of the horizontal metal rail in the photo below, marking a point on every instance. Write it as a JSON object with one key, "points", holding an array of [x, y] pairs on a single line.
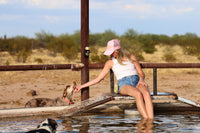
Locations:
{"points": [[100, 66], [41, 67], [156, 65], [92, 66], [170, 65]]}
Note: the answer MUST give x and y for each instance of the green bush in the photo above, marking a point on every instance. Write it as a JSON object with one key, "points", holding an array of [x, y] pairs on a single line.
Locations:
{"points": [[148, 43], [7, 63], [38, 60]]}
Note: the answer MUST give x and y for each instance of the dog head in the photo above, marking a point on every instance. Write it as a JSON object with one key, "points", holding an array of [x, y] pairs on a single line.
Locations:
{"points": [[49, 125], [68, 91]]}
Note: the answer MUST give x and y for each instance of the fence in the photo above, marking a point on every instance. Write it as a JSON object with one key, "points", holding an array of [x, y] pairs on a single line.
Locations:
{"points": [[153, 66]]}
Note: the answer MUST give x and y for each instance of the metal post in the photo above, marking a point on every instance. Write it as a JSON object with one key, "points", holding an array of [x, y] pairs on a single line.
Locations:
{"points": [[154, 81], [84, 44], [111, 81]]}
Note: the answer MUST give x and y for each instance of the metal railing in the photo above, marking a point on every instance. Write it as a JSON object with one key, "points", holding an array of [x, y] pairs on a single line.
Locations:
{"points": [[153, 66]]}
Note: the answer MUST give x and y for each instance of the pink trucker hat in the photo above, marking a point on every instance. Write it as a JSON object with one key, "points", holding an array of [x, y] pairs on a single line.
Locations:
{"points": [[112, 45]]}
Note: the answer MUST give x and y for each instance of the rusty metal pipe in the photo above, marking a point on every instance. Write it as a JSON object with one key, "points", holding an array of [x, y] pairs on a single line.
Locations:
{"points": [[41, 67], [170, 65], [84, 44], [93, 66], [111, 81], [156, 65], [155, 81], [96, 66]]}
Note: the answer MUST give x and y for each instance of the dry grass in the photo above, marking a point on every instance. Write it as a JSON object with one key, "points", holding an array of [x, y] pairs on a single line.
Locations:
{"points": [[178, 52], [44, 55]]}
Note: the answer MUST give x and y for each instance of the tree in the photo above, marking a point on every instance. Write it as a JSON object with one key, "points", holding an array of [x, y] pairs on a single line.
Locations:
{"points": [[130, 34], [106, 36], [148, 43]]}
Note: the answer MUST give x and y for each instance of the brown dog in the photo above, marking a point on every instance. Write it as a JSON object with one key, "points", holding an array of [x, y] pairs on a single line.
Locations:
{"points": [[44, 102], [68, 92]]}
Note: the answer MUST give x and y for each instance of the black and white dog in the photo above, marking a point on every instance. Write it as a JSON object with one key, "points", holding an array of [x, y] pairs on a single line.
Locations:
{"points": [[46, 126]]}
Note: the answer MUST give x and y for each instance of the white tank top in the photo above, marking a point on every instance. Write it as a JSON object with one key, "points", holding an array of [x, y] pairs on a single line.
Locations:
{"points": [[120, 71]]}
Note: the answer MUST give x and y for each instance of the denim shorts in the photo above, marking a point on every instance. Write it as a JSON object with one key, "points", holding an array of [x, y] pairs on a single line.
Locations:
{"points": [[130, 80]]}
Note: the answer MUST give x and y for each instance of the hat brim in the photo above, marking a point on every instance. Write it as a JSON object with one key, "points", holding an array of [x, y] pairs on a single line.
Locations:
{"points": [[108, 52]]}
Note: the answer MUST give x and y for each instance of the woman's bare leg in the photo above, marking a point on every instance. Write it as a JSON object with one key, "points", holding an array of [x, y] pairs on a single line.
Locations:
{"points": [[148, 102], [134, 92]]}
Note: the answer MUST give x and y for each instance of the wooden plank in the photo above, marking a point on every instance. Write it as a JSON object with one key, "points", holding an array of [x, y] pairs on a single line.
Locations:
{"points": [[59, 110], [188, 102], [159, 96], [86, 105], [170, 97], [21, 112]]}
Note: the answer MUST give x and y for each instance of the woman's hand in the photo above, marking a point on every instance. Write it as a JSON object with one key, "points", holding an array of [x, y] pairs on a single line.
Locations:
{"points": [[142, 82], [78, 88]]}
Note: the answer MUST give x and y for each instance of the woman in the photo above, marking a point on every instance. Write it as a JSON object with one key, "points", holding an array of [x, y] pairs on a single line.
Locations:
{"points": [[129, 75]]}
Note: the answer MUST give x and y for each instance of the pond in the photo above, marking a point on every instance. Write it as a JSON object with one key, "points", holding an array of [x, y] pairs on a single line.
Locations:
{"points": [[106, 123]]}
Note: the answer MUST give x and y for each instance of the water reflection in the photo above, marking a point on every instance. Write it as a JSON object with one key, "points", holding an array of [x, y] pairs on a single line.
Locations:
{"points": [[107, 123], [145, 126], [121, 123], [103, 123], [76, 124]]}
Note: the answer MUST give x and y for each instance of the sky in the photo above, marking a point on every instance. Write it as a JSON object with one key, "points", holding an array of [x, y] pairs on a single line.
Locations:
{"points": [[168, 17]]}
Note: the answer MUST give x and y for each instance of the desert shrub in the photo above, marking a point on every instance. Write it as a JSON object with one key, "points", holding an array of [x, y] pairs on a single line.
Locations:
{"points": [[133, 46], [7, 63], [23, 55], [94, 58], [70, 53], [21, 47], [198, 57], [169, 54], [193, 47], [105, 37], [169, 58], [44, 36], [70, 49], [148, 43], [76, 37], [64, 45], [97, 58], [103, 58], [38, 60], [94, 39], [130, 34], [189, 42]]}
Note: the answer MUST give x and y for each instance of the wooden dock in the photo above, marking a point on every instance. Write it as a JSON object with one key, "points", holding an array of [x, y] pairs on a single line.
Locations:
{"points": [[162, 101]]}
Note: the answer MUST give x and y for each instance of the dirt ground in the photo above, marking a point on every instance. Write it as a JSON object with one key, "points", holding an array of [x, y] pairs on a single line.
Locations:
{"points": [[51, 83]]}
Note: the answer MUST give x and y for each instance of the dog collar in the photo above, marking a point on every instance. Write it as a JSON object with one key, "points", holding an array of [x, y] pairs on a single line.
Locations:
{"points": [[67, 100]]}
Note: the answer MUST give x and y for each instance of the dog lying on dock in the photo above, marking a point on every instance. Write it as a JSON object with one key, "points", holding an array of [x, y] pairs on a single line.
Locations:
{"points": [[44, 102], [46, 126]]}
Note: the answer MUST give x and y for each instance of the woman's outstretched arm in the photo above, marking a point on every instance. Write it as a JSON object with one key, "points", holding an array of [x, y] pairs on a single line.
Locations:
{"points": [[108, 65]]}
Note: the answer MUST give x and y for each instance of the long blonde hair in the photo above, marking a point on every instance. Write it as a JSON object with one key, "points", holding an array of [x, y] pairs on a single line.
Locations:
{"points": [[121, 54]]}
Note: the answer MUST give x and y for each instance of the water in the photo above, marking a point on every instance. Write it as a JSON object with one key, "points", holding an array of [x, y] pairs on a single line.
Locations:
{"points": [[106, 123]]}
